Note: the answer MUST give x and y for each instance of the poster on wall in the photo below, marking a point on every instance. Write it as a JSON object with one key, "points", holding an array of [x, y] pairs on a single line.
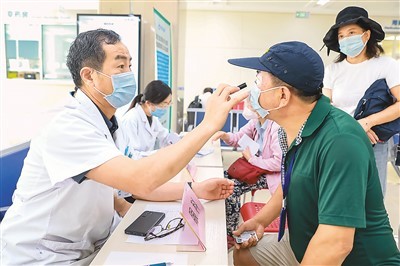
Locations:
{"points": [[163, 59], [128, 27]]}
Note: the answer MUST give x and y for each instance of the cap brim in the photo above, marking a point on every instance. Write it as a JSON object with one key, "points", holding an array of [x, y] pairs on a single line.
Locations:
{"points": [[249, 62]]}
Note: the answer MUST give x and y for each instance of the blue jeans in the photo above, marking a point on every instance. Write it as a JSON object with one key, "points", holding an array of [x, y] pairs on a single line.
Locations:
{"points": [[381, 157]]}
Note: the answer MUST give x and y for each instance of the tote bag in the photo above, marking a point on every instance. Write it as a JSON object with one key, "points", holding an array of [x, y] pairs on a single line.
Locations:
{"points": [[377, 98]]}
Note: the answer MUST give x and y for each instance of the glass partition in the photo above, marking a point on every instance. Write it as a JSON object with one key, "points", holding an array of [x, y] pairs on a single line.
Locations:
{"points": [[23, 51], [56, 40]]}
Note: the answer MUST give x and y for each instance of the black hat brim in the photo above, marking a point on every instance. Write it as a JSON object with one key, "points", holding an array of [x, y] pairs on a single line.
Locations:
{"points": [[331, 38]]}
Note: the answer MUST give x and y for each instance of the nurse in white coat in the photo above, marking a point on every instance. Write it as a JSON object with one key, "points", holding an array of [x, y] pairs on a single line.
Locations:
{"points": [[64, 205], [144, 129]]}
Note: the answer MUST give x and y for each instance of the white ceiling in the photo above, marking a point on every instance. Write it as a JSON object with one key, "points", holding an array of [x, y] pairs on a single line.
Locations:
{"points": [[374, 8]]}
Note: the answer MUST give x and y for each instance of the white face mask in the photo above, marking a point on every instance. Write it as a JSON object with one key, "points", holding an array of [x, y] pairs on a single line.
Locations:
{"points": [[247, 112]]}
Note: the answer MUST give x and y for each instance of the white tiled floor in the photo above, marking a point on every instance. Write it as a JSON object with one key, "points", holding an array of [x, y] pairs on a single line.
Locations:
{"points": [[392, 198]]}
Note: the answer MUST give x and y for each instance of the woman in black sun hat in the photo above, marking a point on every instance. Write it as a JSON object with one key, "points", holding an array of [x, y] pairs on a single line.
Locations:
{"points": [[360, 63]]}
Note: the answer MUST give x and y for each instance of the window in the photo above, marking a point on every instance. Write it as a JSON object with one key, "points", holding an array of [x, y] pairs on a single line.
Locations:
{"points": [[56, 41], [23, 51]]}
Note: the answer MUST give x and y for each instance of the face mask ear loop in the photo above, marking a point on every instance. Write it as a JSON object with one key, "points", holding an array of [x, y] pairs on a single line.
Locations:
{"points": [[149, 106], [276, 108], [102, 73], [279, 106], [105, 95], [366, 40], [365, 44]]}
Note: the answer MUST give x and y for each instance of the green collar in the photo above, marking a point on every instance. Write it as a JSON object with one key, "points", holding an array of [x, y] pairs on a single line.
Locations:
{"points": [[318, 114]]}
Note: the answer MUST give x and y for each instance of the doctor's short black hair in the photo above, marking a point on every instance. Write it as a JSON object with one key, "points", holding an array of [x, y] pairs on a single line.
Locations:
{"points": [[87, 51]]}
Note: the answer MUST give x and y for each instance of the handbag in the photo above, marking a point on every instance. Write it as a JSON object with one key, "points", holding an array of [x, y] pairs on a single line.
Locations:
{"points": [[377, 98], [244, 171]]}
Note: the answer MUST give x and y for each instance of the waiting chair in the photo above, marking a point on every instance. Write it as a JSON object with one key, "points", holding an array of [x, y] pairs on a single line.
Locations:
{"points": [[11, 162], [249, 209], [253, 192]]}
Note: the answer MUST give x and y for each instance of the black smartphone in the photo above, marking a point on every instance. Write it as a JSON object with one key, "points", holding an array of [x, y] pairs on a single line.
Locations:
{"points": [[144, 223]]}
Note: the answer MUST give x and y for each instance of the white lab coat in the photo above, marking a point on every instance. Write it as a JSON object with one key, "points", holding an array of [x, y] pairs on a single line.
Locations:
{"points": [[53, 219], [143, 138]]}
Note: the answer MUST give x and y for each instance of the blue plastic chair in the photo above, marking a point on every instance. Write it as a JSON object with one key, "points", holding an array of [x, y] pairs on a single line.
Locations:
{"points": [[11, 162]]}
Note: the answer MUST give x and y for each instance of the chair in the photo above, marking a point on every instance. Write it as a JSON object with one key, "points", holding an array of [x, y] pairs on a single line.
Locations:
{"points": [[11, 162], [252, 194], [249, 209], [241, 120]]}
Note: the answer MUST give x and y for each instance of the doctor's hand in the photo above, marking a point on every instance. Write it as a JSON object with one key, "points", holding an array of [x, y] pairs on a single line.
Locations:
{"points": [[219, 104], [249, 225], [213, 188], [220, 135]]}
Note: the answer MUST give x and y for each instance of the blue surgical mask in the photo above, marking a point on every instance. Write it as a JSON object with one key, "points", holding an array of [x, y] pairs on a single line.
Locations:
{"points": [[352, 46], [124, 85], [254, 98], [159, 112]]}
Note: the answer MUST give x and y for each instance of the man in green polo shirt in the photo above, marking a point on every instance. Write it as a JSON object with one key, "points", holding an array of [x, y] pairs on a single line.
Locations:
{"points": [[330, 192]]}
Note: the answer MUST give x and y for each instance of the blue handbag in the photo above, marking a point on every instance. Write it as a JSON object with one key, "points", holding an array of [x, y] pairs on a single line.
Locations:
{"points": [[377, 98]]}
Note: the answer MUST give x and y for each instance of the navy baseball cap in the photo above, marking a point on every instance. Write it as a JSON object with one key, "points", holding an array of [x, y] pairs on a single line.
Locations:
{"points": [[294, 62]]}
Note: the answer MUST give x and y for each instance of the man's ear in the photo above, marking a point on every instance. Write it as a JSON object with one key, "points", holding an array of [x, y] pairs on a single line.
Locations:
{"points": [[285, 96], [86, 75]]}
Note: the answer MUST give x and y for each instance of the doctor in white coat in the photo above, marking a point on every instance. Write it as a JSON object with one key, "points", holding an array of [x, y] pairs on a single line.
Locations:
{"points": [[64, 205], [144, 129]]}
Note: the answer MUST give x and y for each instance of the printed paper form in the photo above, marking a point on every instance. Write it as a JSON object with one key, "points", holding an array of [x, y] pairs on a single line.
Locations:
{"points": [[204, 151], [245, 141]]}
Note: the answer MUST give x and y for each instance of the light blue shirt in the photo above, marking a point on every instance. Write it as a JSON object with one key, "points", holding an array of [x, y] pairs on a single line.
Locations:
{"points": [[261, 130]]}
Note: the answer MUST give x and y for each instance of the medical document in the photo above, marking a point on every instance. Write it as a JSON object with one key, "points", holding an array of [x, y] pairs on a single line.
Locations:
{"points": [[245, 141], [204, 152]]}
